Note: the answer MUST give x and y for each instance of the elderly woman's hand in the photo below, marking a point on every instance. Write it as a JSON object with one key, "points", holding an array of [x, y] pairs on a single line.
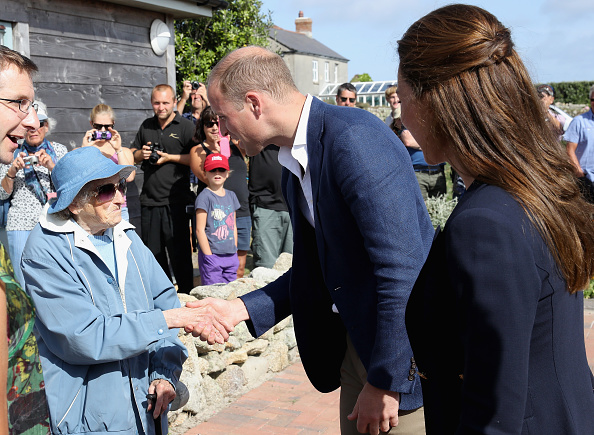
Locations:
{"points": [[165, 395], [204, 322]]}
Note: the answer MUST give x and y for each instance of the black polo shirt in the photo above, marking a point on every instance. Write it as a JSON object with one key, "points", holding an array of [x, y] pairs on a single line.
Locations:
{"points": [[168, 183]]}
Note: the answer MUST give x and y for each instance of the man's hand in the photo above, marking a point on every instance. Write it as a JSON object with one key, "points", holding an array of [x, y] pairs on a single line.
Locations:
{"points": [[203, 322], [233, 312], [376, 410], [165, 394]]}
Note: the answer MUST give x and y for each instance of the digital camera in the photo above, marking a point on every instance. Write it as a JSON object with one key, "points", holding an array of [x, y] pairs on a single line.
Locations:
{"points": [[101, 135], [196, 85], [154, 157], [31, 160]]}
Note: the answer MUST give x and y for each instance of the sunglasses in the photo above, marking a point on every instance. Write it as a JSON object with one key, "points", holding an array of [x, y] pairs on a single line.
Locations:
{"points": [[42, 123], [218, 170], [107, 192], [210, 124], [344, 99], [100, 126]]}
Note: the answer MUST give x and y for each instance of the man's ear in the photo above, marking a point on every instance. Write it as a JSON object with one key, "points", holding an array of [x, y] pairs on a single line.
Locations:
{"points": [[254, 101], [74, 209]]}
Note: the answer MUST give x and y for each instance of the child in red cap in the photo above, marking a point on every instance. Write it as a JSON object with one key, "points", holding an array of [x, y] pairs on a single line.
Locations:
{"points": [[215, 224]]}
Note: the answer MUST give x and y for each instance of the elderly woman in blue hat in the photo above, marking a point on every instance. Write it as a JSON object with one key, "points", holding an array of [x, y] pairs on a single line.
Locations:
{"points": [[106, 311]]}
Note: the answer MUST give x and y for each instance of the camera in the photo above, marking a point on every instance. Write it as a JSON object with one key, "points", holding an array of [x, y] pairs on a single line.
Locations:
{"points": [[101, 135], [196, 85], [154, 157], [30, 160]]}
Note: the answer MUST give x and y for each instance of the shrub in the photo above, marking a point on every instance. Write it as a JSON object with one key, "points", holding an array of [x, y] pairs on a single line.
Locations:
{"points": [[440, 208], [589, 292]]}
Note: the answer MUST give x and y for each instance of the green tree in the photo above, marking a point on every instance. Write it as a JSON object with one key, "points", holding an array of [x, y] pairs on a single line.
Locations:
{"points": [[361, 78], [201, 43]]}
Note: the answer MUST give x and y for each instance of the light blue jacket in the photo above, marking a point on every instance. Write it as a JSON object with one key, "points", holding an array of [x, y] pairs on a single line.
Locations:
{"points": [[100, 344]]}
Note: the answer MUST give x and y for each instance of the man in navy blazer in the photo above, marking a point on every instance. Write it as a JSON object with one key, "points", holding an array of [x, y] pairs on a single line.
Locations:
{"points": [[361, 235]]}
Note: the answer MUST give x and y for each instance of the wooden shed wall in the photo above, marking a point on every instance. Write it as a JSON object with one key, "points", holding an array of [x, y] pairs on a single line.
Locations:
{"points": [[90, 52]]}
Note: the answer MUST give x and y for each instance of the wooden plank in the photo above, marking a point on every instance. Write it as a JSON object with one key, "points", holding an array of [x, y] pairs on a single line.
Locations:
{"points": [[14, 11], [64, 47], [93, 9], [96, 73], [67, 95], [96, 29]]}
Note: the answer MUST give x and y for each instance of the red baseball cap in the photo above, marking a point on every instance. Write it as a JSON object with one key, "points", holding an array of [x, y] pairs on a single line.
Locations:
{"points": [[216, 160]]}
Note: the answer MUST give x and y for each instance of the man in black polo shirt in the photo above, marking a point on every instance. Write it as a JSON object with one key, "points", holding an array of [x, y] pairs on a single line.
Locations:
{"points": [[166, 187]]}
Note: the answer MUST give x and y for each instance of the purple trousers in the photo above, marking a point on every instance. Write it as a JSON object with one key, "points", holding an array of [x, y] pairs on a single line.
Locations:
{"points": [[217, 268]]}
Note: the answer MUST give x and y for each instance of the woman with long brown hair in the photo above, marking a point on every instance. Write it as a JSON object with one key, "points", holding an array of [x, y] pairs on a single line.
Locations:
{"points": [[496, 317]]}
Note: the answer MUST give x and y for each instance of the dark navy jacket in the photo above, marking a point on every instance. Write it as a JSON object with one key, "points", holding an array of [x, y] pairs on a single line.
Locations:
{"points": [[499, 339], [372, 234]]}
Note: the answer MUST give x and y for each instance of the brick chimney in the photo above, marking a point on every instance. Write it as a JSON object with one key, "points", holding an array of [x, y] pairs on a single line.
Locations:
{"points": [[303, 25]]}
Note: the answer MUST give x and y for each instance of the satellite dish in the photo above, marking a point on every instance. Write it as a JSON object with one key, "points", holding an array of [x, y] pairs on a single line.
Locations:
{"points": [[160, 37]]}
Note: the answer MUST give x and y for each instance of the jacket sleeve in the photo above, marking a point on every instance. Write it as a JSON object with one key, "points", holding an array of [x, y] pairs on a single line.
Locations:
{"points": [[385, 202], [168, 354], [497, 286], [73, 328]]}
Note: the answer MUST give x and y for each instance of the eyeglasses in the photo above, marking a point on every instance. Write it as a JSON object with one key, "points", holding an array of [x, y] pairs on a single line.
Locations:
{"points": [[101, 126], [107, 192], [24, 104], [218, 170], [344, 99], [210, 124]]}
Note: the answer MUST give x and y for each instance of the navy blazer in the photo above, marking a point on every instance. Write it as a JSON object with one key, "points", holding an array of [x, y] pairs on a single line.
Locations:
{"points": [[372, 235], [496, 334]]}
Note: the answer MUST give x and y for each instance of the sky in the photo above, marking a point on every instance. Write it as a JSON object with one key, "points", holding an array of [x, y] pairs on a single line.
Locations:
{"points": [[555, 38]]}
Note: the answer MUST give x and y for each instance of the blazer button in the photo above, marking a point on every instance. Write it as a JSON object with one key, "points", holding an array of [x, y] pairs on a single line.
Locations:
{"points": [[412, 372], [411, 378]]}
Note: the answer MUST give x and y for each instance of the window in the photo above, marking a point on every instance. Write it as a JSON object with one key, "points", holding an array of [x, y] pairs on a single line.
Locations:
{"points": [[327, 72], [314, 65], [6, 34], [335, 73]]}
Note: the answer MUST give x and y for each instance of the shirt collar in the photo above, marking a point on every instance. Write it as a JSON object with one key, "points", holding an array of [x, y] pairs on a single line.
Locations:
{"points": [[288, 157]]}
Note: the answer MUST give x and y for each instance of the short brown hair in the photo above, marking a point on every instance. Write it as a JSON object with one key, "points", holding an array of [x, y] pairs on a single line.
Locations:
{"points": [[482, 106], [252, 69], [10, 57]]}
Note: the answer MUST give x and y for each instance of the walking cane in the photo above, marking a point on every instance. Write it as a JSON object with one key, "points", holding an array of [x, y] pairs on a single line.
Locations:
{"points": [[152, 398]]}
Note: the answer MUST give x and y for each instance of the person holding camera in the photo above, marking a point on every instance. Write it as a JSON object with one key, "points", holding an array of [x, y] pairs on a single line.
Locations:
{"points": [[162, 145], [196, 93], [102, 135], [26, 182]]}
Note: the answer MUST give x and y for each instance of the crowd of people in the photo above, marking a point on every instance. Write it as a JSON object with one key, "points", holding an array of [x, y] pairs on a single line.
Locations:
{"points": [[419, 328]]}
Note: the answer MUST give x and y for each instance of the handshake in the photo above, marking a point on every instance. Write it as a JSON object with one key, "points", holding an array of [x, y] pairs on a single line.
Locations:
{"points": [[209, 319]]}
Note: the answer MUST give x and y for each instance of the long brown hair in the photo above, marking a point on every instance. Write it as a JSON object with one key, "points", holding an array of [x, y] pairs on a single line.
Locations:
{"points": [[461, 64]]}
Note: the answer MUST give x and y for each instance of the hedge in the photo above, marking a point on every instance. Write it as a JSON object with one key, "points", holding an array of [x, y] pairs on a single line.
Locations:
{"points": [[572, 92]]}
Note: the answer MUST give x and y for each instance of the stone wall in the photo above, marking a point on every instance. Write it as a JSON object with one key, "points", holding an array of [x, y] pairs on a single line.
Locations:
{"points": [[218, 374]]}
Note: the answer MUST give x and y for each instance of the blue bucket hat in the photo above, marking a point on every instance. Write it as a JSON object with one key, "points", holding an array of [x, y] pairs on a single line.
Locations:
{"points": [[77, 168]]}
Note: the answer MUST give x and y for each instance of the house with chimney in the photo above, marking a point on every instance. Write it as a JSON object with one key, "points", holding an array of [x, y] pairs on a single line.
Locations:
{"points": [[312, 64]]}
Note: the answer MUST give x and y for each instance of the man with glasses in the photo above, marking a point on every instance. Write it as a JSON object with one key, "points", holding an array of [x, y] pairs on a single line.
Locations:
{"points": [[580, 147], [165, 193], [26, 400], [346, 95], [26, 181]]}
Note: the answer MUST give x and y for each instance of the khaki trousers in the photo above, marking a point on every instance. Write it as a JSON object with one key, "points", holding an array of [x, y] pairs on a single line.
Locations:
{"points": [[353, 377]]}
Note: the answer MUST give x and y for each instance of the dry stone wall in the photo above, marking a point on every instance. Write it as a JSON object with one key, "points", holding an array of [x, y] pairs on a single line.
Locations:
{"points": [[218, 374]]}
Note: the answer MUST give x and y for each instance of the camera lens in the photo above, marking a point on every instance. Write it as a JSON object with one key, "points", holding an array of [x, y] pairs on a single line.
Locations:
{"points": [[195, 85]]}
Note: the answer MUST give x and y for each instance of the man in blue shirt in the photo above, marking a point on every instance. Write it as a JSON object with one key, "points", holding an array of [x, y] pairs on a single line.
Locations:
{"points": [[580, 145]]}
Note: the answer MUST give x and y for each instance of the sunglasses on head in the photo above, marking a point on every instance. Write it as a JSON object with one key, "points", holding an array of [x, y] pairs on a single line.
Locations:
{"points": [[100, 126], [107, 192], [210, 124], [344, 99], [218, 170]]}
